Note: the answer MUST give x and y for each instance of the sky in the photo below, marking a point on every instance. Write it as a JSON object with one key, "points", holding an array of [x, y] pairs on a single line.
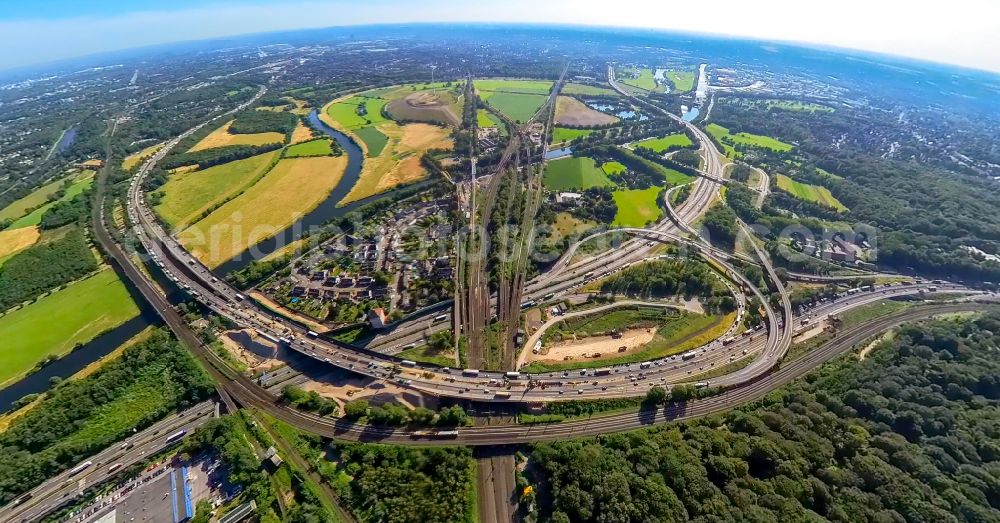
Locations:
{"points": [[958, 32]]}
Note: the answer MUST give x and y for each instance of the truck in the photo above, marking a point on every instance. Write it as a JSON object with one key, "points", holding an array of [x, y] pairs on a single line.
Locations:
{"points": [[440, 317], [603, 371], [114, 467], [408, 363], [240, 297], [503, 394], [728, 340], [688, 356], [513, 375], [645, 365], [470, 372], [312, 334], [588, 275], [549, 296]]}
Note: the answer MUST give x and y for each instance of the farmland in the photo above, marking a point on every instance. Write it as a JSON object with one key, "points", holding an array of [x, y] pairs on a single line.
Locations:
{"points": [[587, 90], [373, 139], [399, 162], [33, 200], [187, 196], [810, 193], [320, 147], [484, 119], [723, 135], [292, 188], [637, 207], [563, 134], [222, 137], [518, 107], [663, 143], [81, 183], [573, 112], [302, 133], [682, 80], [574, 173], [132, 160], [486, 87], [347, 112], [85, 309], [16, 240]]}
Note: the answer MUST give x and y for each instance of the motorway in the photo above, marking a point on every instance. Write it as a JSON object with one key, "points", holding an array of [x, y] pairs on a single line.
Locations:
{"points": [[62, 488]]}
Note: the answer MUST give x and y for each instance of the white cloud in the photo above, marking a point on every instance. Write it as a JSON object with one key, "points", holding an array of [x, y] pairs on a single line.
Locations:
{"points": [[964, 32]]}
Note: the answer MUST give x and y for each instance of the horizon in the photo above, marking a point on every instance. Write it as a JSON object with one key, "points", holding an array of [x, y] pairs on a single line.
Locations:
{"points": [[53, 36]]}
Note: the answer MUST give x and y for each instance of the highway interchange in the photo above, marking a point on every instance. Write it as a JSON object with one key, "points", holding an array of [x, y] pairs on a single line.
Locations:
{"points": [[762, 349]]}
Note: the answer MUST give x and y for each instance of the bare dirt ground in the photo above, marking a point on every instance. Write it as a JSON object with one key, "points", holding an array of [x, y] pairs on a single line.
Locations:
{"points": [[816, 329], [422, 136], [251, 350], [343, 389], [588, 348], [570, 111]]}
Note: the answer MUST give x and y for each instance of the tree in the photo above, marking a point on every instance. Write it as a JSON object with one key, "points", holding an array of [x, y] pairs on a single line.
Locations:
{"points": [[356, 409], [656, 395]]}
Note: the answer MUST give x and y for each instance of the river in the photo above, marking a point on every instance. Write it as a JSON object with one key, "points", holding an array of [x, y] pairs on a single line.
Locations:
{"points": [[323, 213]]}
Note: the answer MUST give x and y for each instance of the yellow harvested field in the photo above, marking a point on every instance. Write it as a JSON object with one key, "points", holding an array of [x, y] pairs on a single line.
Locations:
{"points": [[184, 169], [221, 137], [137, 157], [15, 240], [291, 189], [399, 162], [302, 133], [573, 112]]}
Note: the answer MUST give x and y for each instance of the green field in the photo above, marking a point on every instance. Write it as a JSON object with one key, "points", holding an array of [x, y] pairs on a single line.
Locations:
{"points": [[81, 183], [485, 119], [518, 107], [374, 140], [345, 112], [790, 105], [644, 81], [574, 173], [321, 147], [52, 325], [588, 90], [613, 168], [683, 80], [810, 193], [512, 86], [34, 199], [425, 354], [187, 196], [565, 134], [674, 336], [755, 140], [636, 207], [661, 144]]}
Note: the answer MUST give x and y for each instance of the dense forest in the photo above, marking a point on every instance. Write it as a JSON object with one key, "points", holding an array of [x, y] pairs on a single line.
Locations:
{"points": [[671, 277], [908, 434], [252, 121], [928, 212], [405, 484], [80, 417], [45, 266]]}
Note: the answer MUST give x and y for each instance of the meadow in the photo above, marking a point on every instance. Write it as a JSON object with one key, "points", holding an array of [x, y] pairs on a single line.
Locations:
{"points": [[644, 81], [564, 134], [291, 189], [674, 336], [637, 207], [345, 112], [683, 80], [810, 193], [574, 173], [221, 137], [663, 143], [84, 309], [81, 183], [613, 168], [320, 147], [187, 196], [755, 140], [485, 120]]}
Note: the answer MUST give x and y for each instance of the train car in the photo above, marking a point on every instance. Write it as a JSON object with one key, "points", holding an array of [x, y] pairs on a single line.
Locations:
{"points": [[80, 468], [175, 437]]}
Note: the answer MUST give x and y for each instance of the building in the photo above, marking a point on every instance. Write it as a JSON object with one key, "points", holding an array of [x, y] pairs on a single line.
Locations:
{"points": [[567, 197], [377, 318]]}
